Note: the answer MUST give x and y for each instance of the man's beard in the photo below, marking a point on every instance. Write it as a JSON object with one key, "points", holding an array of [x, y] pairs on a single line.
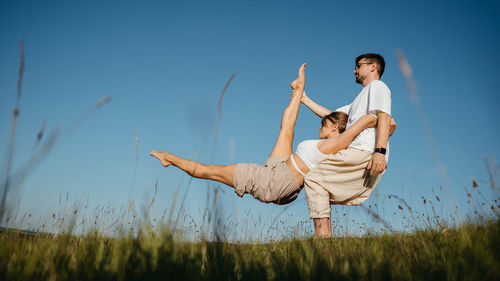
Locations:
{"points": [[358, 80]]}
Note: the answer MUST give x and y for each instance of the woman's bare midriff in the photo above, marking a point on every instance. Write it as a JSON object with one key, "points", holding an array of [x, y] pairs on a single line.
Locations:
{"points": [[302, 166]]}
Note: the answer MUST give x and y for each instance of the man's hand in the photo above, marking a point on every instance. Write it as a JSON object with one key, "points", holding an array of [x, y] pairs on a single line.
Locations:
{"points": [[377, 164]]}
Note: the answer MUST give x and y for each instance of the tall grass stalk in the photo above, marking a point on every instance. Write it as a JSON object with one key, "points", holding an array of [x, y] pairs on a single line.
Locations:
{"points": [[9, 180], [12, 135]]}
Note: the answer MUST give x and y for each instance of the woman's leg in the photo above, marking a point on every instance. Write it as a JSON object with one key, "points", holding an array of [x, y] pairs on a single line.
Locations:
{"points": [[220, 173], [283, 146]]}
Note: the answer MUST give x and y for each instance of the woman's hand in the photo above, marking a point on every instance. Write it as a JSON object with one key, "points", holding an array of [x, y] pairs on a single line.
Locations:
{"points": [[304, 97]]}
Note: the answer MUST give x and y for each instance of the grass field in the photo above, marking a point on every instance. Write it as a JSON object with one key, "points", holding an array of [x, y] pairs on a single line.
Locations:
{"points": [[469, 252]]}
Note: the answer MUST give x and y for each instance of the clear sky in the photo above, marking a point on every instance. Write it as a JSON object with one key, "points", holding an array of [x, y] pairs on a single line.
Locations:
{"points": [[165, 64]]}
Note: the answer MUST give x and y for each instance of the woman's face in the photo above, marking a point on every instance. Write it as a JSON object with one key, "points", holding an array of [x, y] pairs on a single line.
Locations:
{"points": [[330, 129]]}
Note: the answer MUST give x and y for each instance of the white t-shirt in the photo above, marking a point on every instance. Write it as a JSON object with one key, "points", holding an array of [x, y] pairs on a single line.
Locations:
{"points": [[375, 96], [309, 153]]}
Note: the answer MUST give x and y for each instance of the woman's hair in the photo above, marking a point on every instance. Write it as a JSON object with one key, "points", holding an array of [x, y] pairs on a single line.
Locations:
{"points": [[336, 117]]}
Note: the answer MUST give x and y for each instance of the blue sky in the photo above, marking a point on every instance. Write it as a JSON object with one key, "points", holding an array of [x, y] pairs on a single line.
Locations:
{"points": [[165, 64]]}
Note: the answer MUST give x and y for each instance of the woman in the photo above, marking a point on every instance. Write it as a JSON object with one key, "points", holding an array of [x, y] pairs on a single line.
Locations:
{"points": [[281, 178]]}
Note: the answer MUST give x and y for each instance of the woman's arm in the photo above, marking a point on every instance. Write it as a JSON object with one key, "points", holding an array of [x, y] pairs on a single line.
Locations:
{"points": [[314, 107], [342, 141]]}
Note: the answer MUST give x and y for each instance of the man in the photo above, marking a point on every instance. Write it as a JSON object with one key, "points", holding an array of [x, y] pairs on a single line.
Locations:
{"points": [[349, 176]]}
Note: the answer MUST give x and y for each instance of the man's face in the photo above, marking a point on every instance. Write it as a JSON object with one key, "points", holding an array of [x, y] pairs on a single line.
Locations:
{"points": [[362, 69]]}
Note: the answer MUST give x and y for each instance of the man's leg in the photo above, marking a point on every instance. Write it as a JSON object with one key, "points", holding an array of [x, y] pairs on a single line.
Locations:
{"points": [[283, 146], [318, 201], [319, 209], [220, 173], [322, 228], [336, 179]]}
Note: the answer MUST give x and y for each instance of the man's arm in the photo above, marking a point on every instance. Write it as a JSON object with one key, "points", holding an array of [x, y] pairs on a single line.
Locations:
{"points": [[314, 107], [378, 164], [393, 126]]}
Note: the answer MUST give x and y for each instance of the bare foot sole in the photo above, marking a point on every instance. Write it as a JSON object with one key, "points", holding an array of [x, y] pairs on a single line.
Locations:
{"points": [[162, 156]]}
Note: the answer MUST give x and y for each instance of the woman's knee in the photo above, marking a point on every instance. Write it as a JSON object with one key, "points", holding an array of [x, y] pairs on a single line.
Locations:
{"points": [[221, 173]]}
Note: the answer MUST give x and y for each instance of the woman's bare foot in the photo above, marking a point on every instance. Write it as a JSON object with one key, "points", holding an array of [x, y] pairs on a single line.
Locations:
{"points": [[300, 82], [162, 156]]}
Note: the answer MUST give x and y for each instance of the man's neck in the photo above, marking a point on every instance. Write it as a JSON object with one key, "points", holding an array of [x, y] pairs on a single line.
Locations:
{"points": [[368, 80]]}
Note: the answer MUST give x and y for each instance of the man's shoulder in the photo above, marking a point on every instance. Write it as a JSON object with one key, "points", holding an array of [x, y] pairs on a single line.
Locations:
{"points": [[378, 85], [344, 108]]}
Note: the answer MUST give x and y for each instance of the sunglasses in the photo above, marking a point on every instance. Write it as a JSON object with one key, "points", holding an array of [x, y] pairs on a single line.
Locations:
{"points": [[358, 65]]}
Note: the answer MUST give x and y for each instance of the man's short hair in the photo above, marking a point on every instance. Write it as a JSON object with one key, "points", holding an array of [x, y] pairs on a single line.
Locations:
{"points": [[374, 58]]}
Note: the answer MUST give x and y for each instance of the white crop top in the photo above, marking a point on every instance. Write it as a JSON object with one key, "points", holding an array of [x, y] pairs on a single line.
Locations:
{"points": [[309, 153]]}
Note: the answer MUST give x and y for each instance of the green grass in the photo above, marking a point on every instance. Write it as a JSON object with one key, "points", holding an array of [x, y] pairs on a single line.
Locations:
{"points": [[470, 252]]}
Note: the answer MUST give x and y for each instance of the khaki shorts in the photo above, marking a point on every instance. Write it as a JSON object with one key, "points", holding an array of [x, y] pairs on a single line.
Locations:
{"points": [[338, 179], [271, 183]]}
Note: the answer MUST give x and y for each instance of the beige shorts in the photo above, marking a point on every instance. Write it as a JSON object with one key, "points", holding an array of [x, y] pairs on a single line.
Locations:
{"points": [[338, 179], [272, 182]]}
